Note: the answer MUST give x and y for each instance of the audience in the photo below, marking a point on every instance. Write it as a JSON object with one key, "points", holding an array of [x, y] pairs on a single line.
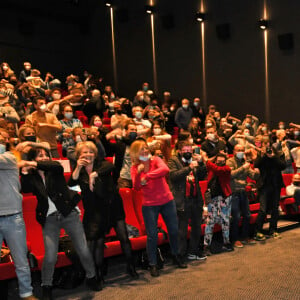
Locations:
{"points": [[109, 126]]}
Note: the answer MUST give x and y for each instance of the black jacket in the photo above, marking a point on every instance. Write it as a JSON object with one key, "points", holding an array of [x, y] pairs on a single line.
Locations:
{"points": [[270, 171], [177, 180], [104, 201], [212, 148], [56, 189]]}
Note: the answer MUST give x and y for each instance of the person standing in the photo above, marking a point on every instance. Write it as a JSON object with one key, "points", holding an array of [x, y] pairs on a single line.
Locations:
{"points": [[56, 209], [270, 165], [219, 208], [186, 170], [12, 227], [148, 175], [184, 115], [103, 207], [240, 170]]}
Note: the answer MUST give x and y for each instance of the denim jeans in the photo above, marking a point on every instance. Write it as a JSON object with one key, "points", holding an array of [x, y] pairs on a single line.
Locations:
{"points": [[74, 229], [12, 229], [218, 212], [269, 197], [150, 214], [240, 207]]}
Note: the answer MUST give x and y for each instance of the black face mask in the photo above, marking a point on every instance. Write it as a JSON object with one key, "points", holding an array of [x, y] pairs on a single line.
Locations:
{"points": [[187, 155], [221, 164], [119, 111], [30, 138]]}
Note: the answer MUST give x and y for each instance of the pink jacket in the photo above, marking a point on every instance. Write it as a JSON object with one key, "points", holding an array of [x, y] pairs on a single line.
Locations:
{"points": [[156, 191]]}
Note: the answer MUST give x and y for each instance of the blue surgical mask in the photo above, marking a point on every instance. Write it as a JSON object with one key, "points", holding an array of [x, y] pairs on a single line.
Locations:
{"points": [[69, 115], [144, 158], [138, 114], [2, 148], [185, 106]]}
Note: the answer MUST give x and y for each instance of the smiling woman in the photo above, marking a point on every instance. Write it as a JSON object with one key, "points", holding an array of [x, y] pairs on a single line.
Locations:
{"points": [[103, 208]]}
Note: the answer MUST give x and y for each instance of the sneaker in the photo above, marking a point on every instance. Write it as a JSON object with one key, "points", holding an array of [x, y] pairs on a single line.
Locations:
{"points": [[249, 241], [260, 237], [154, 272], [196, 257], [276, 235], [93, 284], [238, 244], [227, 248]]}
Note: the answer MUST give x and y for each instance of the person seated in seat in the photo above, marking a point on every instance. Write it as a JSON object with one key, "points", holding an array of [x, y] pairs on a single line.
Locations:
{"points": [[160, 136], [213, 144], [293, 190], [27, 138], [45, 123], [68, 124]]}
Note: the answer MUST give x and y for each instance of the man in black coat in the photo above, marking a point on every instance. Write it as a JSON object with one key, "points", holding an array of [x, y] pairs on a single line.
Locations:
{"points": [[270, 165], [186, 170]]}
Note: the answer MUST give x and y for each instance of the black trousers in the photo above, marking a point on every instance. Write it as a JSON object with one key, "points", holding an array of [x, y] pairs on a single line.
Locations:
{"points": [[193, 212], [269, 197]]}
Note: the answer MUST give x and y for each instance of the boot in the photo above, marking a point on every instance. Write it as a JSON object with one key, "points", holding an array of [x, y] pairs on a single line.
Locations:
{"points": [[178, 261], [131, 271], [93, 284], [47, 292], [154, 270]]}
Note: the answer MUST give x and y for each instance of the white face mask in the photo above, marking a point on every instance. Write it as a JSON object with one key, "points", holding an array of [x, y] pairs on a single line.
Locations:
{"points": [[5, 68], [157, 131], [43, 108], [185, 106], [211, 136], [144, 158], [56, 96], [78, 139], [208, 124], [240, 155]]}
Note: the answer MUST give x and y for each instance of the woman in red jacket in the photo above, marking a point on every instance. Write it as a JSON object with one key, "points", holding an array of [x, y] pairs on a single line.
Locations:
{"points": [[148, 175], [219, 208]]}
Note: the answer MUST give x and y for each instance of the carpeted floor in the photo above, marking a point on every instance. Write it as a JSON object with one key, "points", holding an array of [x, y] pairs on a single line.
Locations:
{"points": [[267, 270]]}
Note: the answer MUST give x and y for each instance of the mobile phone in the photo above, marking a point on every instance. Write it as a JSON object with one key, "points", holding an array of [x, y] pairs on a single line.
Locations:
{"points": [[197, 150]]}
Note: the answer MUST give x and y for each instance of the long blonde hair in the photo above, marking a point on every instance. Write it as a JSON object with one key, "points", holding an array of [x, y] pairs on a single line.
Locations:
{"points": [[135, 150]]}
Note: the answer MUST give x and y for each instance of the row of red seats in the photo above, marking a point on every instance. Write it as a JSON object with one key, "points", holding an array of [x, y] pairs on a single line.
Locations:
{"points": [[132, 201]]}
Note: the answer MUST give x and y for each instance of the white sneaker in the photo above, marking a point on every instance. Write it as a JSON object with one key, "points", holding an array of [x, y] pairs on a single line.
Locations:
{"points": [[196, 257]]}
